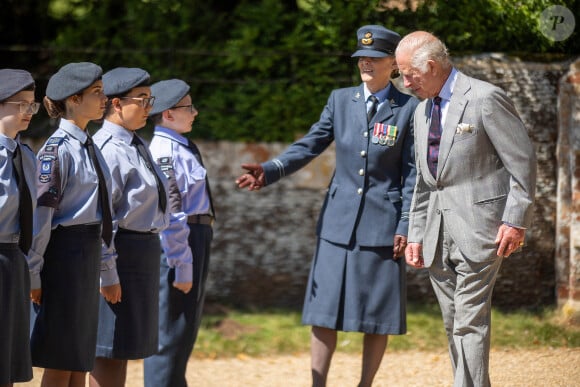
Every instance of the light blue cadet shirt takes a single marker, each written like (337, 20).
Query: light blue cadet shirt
(134, 189)
(68, 190)
(9, 195)
(188, 196)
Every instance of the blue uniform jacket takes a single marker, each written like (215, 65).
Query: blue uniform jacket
(369, 196)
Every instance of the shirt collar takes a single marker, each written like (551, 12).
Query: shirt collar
(171, 134)
(447, 90)
(73, 130)
(7, 142)
(118, 131)
(381, 94)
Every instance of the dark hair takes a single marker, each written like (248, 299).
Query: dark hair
(156, 118)
(55, 109)
(30, 87)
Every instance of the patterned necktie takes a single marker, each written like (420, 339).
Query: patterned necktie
(25, 206)
(434, 136)
(195, 150)
(149, 163)
(373, 109)
(107, 228)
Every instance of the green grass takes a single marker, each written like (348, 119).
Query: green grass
(271, 332)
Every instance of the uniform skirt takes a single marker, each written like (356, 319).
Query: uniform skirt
(15, 363)
(129, 329)
(358, 289)
(64, 333)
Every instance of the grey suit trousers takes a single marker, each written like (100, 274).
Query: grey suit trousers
(464, 289)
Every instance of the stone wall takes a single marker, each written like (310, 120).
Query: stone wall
(568, 210)
(264, 240)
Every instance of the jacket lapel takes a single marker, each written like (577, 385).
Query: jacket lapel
(386, 109)
(360, 106)
(421, 136)
(455, 110)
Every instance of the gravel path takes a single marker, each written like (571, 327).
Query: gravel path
(540, 367)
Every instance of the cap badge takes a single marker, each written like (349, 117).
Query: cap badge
(368, 39)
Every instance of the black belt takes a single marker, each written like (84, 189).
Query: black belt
(200, 219)
(134, 232)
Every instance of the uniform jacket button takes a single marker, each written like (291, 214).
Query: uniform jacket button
(359, 191)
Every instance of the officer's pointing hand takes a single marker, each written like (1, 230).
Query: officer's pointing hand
(253, 179)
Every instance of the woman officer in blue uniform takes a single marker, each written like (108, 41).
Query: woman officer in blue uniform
(73, 215)
(357, 281)
(17, 188)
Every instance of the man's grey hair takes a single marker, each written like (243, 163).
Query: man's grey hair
(424, 47)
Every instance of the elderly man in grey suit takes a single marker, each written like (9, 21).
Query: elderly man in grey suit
(357, 282)
(476, 175)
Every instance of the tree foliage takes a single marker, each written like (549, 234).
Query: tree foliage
(259, 69)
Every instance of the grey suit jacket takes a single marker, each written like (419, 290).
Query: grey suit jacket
(486, 172)
(369, 196)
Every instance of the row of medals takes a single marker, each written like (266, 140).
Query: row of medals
(384, 134)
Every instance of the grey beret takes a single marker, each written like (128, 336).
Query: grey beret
(13, 81)
(376, 41)
(167, 93)
(71, 79)
(122, 79)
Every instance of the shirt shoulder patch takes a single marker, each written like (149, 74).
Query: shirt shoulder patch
(48, 185)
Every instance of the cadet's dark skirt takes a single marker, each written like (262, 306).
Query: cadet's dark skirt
(15, 363)
(359, 289)
(65, 331)
(129, 329)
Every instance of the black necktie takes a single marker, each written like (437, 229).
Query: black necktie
(434, 136)
(149, 163)
(373, 108)
(197, 154)
(25, 206)
(107, 229)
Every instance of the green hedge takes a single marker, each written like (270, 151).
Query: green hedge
(260, 70)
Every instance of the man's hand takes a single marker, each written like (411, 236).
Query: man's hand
(253, 179)
(399, 244)
(509, 239)
(112, 293)
(36, 295)
(185, 287)
(414, 255)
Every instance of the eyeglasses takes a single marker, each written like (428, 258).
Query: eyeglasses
(144, 101)
(191, 107)
(25, 107)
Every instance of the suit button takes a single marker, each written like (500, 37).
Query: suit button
(438, 212)
(365, 134)
(361, 172)
(439, 187)
(359, 191)
(363, 153)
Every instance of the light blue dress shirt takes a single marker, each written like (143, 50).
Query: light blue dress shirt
(77, 194)
(169, 148)
(9, 195)
(134, 188)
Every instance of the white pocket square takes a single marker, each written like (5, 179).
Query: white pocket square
(464, 128)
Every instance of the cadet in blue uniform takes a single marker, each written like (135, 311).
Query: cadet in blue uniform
(357, 281)
(186, 242)
(17, 170)
(128, 317)
(72, 216)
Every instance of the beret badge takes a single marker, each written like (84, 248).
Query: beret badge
(368, 39)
